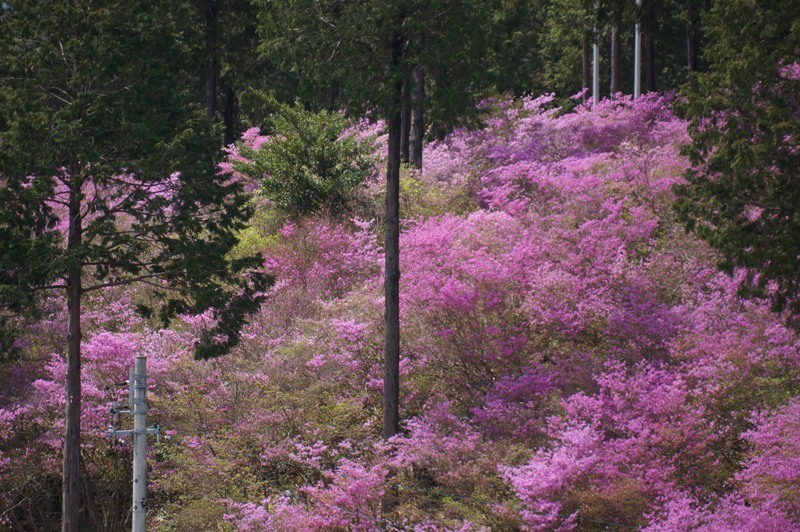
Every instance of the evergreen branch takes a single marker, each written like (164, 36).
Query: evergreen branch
(131, 280)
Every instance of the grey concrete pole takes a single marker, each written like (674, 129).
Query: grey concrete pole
(596, 64)
(637, 58)
(596, 74)
(140, 445)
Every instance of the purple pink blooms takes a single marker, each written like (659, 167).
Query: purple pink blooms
(570, 356)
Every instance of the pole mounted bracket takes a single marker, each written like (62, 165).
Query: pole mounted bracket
(154, 429)
(137, 406)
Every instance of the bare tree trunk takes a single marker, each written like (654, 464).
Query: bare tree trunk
(650, 62)
(71, 487)
(417, 117)
(615, 57)
(96, 514)
(333, 96)
(230, 113)
(212, 61)
(405, 121)
(691, 38)
(391, 383)
(586, 73)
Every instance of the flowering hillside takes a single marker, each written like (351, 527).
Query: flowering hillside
(572, 360)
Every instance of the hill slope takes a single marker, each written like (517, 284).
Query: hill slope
(571, 360)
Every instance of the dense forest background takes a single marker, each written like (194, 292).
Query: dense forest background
(393, 269)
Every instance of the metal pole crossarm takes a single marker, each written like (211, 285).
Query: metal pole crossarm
(137, 403)
(151, 430)
(139, 385)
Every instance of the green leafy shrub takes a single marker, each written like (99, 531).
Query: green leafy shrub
(312, 161)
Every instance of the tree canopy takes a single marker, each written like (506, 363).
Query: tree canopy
(108, 177)
(743, 194)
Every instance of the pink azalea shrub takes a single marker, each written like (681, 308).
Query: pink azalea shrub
(572, 359)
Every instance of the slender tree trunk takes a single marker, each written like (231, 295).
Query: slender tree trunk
(691, 38)
(405, 121)
(333, 96)
(391, 382)
(650, 62)
(615, 57)
(230, 113)
(71, 487)
(417, 116)
(391, 283)
(96, 514)
(586, 73)
(212, 61)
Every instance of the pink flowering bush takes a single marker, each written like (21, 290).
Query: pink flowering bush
(572, 359)
(349, 499)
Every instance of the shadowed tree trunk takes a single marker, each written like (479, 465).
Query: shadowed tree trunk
(391, 282)
(333, 96)
(615, 53)
(417, 116)
(405, 122)
(230, 113)
(650, 62)
(586, 72)
(212, 59)
(391, 384)
(691, 38)
(71, 487)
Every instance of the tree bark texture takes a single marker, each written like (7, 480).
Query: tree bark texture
(692, 54)
(230, 112)
(650, 62)
(615, 54)
(405, 121)
(417, 117)
(212, 59)
(71, 487)
(586, 72)
(391, 385)
(391, 382)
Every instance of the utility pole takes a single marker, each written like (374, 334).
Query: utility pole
(596, 62)
(140, 444)
(637, 54)
(137, 405)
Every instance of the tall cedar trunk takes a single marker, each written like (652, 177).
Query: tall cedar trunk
(229, 114)
(391, 384)
(212, 61)
(405, 122)
(391, 379)
(417, 116)
(691, 38)
(650, 62)
(614, 57)
(71, 487)
(587, 60)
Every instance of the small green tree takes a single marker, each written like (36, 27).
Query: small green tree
(310, 162)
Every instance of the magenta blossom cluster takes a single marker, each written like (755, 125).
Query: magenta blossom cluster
(571, 359)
